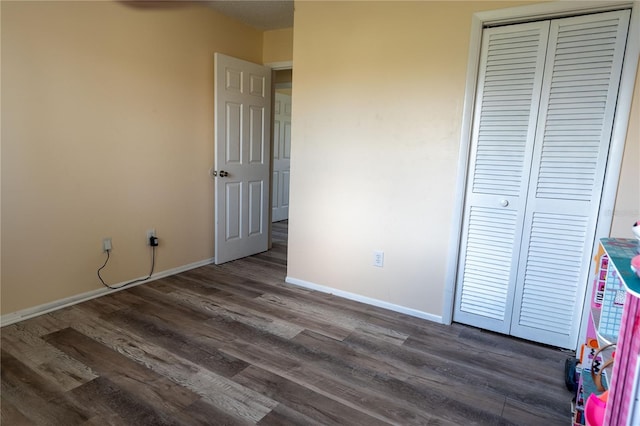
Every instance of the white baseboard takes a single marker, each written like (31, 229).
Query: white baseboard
(35, 311)
(366, 300)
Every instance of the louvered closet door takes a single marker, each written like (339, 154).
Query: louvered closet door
(546, 97)
(509, 85)
(581, 79)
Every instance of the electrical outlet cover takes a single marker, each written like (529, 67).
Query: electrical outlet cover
(150, 233)
(378, 258)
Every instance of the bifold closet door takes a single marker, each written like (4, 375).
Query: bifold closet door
(542, 125)
(579, 94)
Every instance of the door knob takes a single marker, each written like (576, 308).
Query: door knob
(222, 173)
(504, 203)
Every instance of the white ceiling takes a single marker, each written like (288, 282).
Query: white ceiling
(260, 14)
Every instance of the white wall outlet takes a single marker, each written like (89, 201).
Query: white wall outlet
(378, 258)
(106, 244)
(150, 233)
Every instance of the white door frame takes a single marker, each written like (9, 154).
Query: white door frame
(621, 120)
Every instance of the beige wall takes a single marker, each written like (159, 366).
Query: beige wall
(107, 131)
(278, 46)
(282, 76)
(379, 88)
(627, 209)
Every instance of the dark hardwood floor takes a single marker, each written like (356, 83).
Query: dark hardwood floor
(235, 345)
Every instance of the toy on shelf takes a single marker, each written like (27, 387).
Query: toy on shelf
(595, 408)
(635, 265)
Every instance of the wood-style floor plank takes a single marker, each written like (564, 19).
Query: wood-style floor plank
(303, 400)
(222, 393)
(324, 382)
(35, 397)
(235, 345)
(53, 364)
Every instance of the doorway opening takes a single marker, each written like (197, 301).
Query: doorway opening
(281, 149)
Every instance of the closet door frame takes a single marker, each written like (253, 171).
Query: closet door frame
(521, 14)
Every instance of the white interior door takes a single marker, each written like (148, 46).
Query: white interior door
(541, 136)
(242, 156)
(281, 157)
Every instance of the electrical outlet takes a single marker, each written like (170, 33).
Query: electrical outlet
(150, 233)
(106, 244)
(378, 258)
